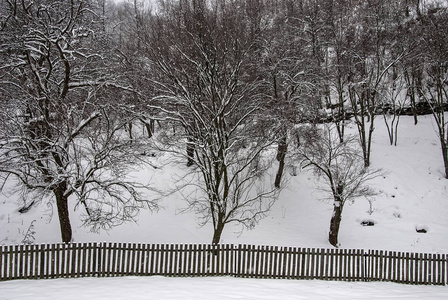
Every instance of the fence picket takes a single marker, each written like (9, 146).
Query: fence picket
(444, 268)
(150, 259)
(142, 270)
(2, 265)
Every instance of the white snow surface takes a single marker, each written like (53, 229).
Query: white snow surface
(216, 288)
(413, 195)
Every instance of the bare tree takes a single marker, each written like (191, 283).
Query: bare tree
(370, 60)
(435, 89)
(339, 38)
(201, 51)
(62, 116)
(392, 103)
(341, 168)
(291, 71)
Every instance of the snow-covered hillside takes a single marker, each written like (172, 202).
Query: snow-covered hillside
(413, 195)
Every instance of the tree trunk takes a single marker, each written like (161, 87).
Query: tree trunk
(281, 154)
(444, 147)
(62, 204)
(218, 232)
(410, 93)
(190, 152)
(149, 127)
(335, 222)
(130, 131)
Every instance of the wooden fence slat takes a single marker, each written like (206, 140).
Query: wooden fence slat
(31, 254)
(108, 263)
(113, 266)
(66, 261)
(171, 261)
(380, 267)
(42, 261)
(349, 264)
(406, 267)
(162, 263)
(225, 262)
(256, 261)
(129, 259)
(15, 262)
(161, 260)
(199, 260)
(419, 262)
(103, 259)
(211, 254)
(20, 262)
(82, 260)
(152, 262)
(76, 260)
(248, 265)
(194, 262)
(49, 262)
(402, 267)
(250, 261)
(70, 259)
(188, 260)
(442, 267)
(267, 263)
(121, 260)
(289, 262)
(177, 259)
(338, 265)
(219, 258)
(54, 261)
(7, 262)
(205, 259)
(126, 259)
(20, 273)
(94, 250)
(2, 265)
(434, 271)
(137, 256)
(375, 266)
(258, 267)
(142, 250)
(183, 263)
(154, 259)
(25, 253)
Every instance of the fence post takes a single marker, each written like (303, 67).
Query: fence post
(444, 269)
(366, 265)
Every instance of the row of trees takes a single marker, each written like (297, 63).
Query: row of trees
(225, 80)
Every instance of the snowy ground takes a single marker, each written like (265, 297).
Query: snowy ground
(210, 288)
(413, 194)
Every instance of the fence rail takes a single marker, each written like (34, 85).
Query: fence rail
(120, 259)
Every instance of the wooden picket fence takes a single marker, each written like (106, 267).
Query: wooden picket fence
(121, 259)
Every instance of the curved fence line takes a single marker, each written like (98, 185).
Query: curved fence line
(122, 259)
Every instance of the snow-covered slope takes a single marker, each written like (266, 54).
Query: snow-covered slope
(413, 195)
